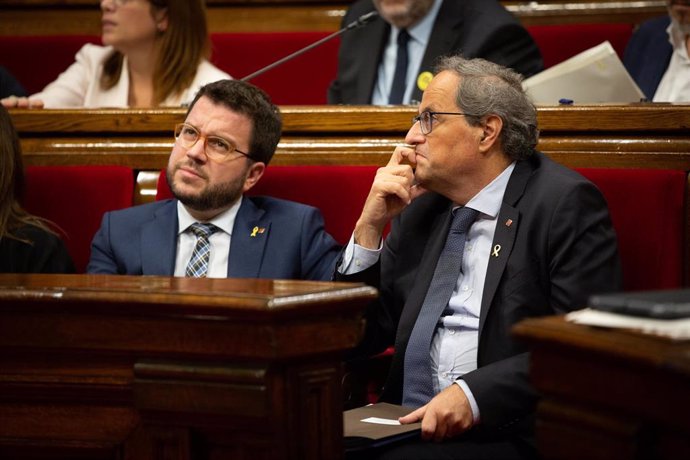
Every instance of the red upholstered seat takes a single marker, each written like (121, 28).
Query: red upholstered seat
(647, 208)
(75, 198)
(36, 61)
(338, 191)
(303, 80)
(562, 41)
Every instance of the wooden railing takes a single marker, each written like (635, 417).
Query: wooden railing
(49, 17)
(630, 136)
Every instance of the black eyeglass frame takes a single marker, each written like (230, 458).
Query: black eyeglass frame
(420, 118)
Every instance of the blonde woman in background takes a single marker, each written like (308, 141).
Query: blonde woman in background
(155, 54)
(27, 245)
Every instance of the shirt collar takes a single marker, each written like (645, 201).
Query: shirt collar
(421, 31)
(676, 37)
(489, 199)
(225, 220)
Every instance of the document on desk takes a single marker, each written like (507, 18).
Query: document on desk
(375, 425)
(676, 329)
(595, 75)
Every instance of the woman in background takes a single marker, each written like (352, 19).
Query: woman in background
(27, 244)
(155, 54)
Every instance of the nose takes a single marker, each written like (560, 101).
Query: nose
(107, 5)
(197, 152)
(414, 135)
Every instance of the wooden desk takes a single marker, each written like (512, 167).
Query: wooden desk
(627, 136)
(608, 394)
(117, 367)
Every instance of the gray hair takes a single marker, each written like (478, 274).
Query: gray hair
(486, 89)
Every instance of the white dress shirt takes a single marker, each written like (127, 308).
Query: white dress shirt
(220, 241)
(419, 37)
(675, 84)
(454, 345)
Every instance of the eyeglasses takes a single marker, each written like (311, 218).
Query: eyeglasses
(215, 147)
(426, 119)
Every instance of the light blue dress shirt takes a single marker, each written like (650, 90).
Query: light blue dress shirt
(419, 38)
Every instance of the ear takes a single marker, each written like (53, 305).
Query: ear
(161, 18)
(254, 173)
(491, 130)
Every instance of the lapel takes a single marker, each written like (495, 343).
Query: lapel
(374, 39)
(442, 38)
(504, 237)
(159, 241)
(247, 251)
(437, 237)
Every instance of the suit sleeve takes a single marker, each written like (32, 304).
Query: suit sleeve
(102, 260)
(582, 257)
(319, 250)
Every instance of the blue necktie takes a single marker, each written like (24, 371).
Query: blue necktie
(400, 75)
(418, 387)
(198, 264)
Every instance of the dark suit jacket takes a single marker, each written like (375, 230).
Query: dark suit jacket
(557, 248)
(475, 28)
(9, 86)
(42, 252)
(142, 240)
(648, 54)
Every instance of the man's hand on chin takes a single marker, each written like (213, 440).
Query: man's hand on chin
(447, 415)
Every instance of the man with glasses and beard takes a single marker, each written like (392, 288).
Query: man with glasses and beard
(485, 232)
(658, 55)
(211, 229)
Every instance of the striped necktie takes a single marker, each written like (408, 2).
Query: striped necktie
(198, 264)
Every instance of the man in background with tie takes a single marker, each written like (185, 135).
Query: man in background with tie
(486, 232)
(222, 149)
(389, 61)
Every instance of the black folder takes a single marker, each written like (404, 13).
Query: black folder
(362, 435)
(667, 304)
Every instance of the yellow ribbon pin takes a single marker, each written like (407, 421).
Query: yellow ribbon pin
(497, 248)
(424, 79)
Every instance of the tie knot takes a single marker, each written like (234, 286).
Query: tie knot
(203, 230)
(463, 219)
(403, 37)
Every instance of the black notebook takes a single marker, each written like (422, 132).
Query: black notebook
(669, 304)
(363, 435)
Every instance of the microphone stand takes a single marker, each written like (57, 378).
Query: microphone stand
(360, 21)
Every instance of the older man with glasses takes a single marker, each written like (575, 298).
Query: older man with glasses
(210, 229)
(486, 232)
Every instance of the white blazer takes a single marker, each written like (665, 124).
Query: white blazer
(79, 85)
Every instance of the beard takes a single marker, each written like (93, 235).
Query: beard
(211, 197)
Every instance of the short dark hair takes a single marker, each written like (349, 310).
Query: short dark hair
(487, 88)
(247, 99)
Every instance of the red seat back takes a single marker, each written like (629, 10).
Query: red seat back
(75, 198)
(563, 41)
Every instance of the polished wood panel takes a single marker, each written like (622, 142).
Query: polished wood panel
(608, 394)
(38, 17)
(640, 135)
(173, 368)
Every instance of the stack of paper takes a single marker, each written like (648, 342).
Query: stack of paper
(595, 75)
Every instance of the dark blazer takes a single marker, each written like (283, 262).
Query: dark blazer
(648, 54)
(557, 247)
(142, 240)
(475, 28)
(41, 252)
(9, 86)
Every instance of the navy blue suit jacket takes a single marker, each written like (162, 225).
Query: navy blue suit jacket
(142, 240)
(648, 54)
(474, 28)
